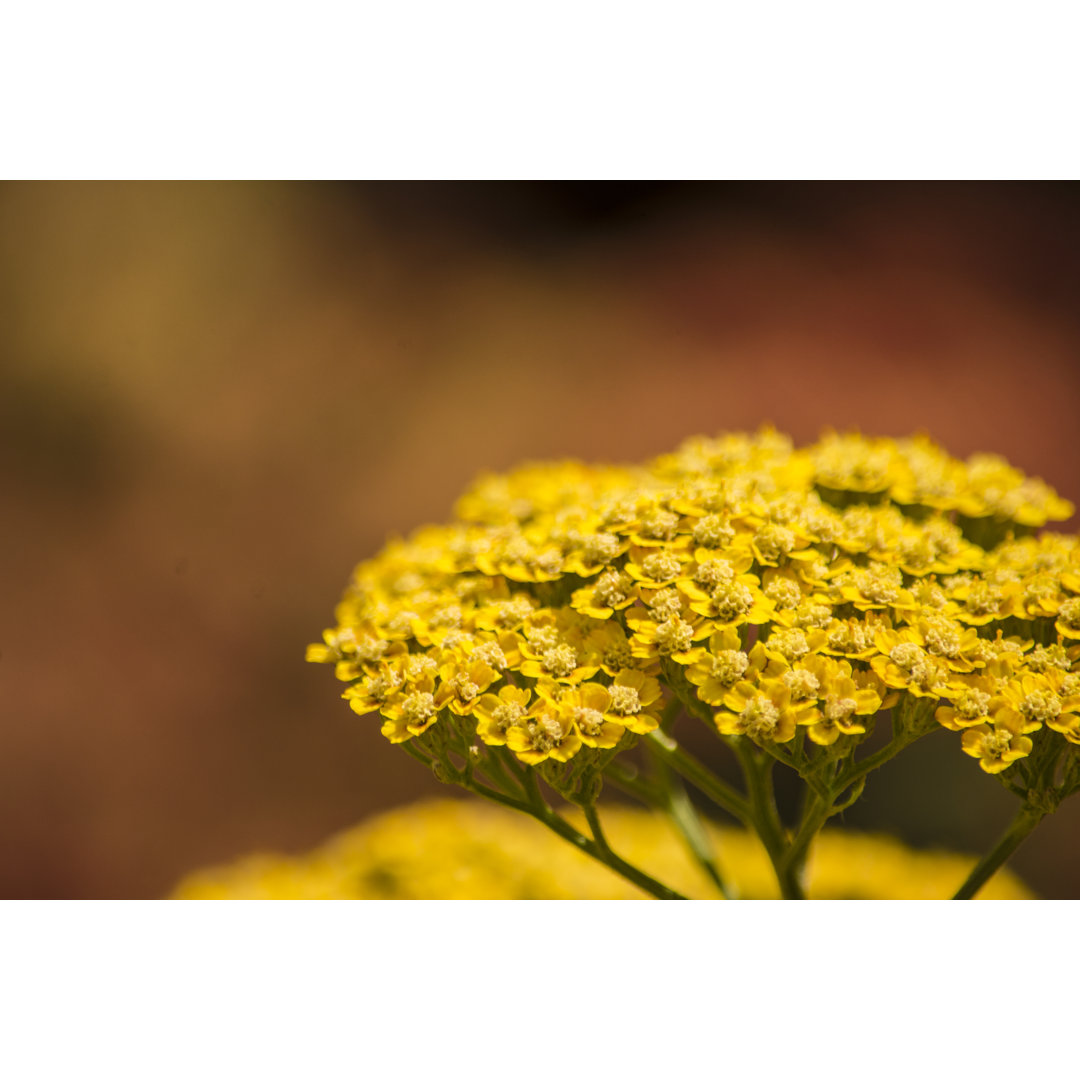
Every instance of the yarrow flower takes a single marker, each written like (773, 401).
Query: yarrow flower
(789, 598)
(459, 850)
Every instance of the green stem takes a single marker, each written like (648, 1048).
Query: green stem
(766, 821)
(593, 818)
(689, 768)
(815, 815)
(497, 796)
(496, 771)
(625, 780)
(857, 770)
(602, 853)
(1021, 826)
(670, 713)
(412, 751)
(537, 807)
(681, 811)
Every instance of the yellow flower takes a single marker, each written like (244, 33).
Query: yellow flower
(792, 644)
(375, 692)
(971, 700)
(1033, 700)
(981, 601)
(462, 685)
(787, 591)
(654, 569)
(842, 702)
(444, 623)
(633, 697)
(595, 552)
(653, 526)
(1068, 620)
(711, 532)
(996, 747)
(610, 646)
(1040, 596)
(878, 587)
(671, 637)
(730, 603)
(557, 657)
(957, 645)
(904, 665)
(354, 651)
(765, 712)
(458, 849)
(773, 544)
(855, 639)
(725, 664)
(497, 713)
(410, 713)
(884, 562)
(546, 732)
(520, 559)
(588, 708)
(612, 591)
(506, 613)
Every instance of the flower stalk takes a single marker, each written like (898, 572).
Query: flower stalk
(1019, 829)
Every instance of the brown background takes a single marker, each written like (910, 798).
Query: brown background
(216, 398)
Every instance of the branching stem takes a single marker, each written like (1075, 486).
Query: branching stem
(1020, 828)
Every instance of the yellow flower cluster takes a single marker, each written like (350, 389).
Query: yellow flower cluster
(773, 589)
(449, 850)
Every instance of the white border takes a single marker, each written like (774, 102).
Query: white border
(567, 89)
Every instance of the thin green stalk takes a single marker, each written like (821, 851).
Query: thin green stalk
(670, 713)
(497, 771)
(1021, 826)
(412, 751)
(593, 818)
(857, 770)
(766, 821)
(603, 853)
(497, 796)
(680, 810)
(816, 813)
(689, 768)
(682, 813)
(536, 806)
(618, 776)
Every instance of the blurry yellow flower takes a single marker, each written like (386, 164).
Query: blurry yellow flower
(612, 591)
(464, 850)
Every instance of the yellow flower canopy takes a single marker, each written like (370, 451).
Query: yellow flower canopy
(788, 588)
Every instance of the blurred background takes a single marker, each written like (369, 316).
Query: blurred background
(216, 398)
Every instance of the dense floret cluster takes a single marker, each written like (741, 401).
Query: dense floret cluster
(785, 595)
